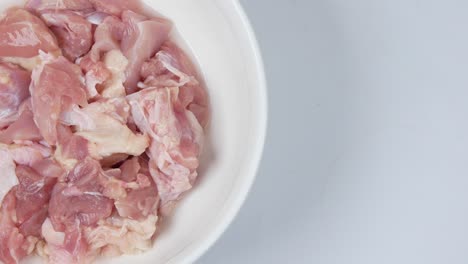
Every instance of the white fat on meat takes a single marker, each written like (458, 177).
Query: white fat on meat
(33, 62)
(116, 235)
(50, 235)
(116, 63)
(103, 124)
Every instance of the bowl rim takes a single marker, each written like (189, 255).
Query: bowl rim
(262, 109)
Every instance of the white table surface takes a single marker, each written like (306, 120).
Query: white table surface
(366, 160)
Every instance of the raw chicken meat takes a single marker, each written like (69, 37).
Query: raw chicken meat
(7, 166)
(23, 128)
(73, 32)
(23, 35)
(176, 140)
(140, 203)
(107, 37)
(71, 148)
(32, 198)
(171, 67)
(14, 245)
(23, 212)
(57, 85)
(103, 124)
(14, 89)
(28, 152)
(75, 5)
(142, 39)
(116, 235)
(101, 129)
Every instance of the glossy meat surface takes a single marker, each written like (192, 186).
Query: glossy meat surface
(102, 122)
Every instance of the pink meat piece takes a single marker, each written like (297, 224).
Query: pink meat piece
(56, 86)
(140, 203)
(14, 89)
(87, 196)
(176, 140)
(171, 67)
(80, 200)
(73, 32)
(66, 247)
(14, 246)
(22, 129)
(76, 246)
(32, 226)
(7, 167)
(107, 37)
(71, 146)
(49, 168)
(67, 208)
(89, 176)
(28, 152)
(141, 40)
(23, 35)
(76, 5)
(129, 170)
(32, 198)
(115, 7)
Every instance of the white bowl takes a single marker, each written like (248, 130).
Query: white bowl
(218, 34)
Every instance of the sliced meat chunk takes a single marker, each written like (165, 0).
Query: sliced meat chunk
(14, 246)
(7, 167)
(66, 247)
(129, 169)
(14, 89)
(80, 199)
(56, 86)
(67, 207)
(32, 198)
(73, 32)
(171, 67)
(22, 129)
(28, 153)
(49, 168)
(23, 35)
(176, 140)
(141, 40)
(140, 203)
(86, 197)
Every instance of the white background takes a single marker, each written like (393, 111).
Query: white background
(366, 160)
